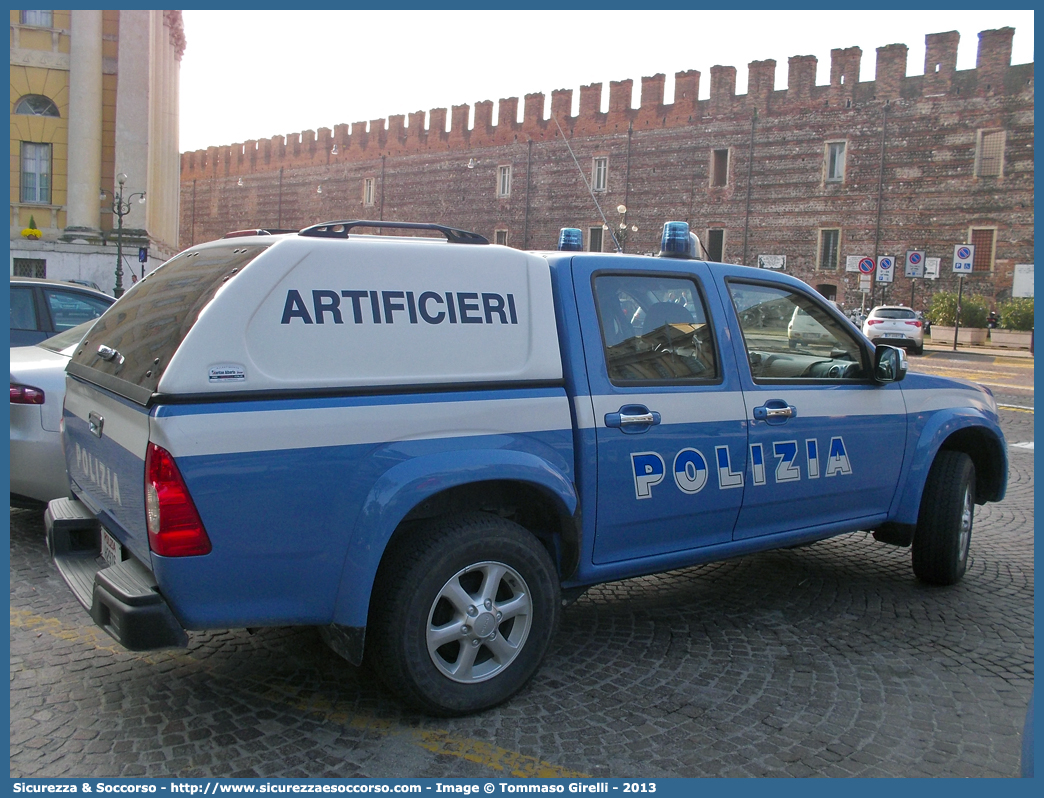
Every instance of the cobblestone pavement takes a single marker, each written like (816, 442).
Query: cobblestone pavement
(826, 660)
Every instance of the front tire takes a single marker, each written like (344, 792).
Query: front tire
(462, 614)
(944, 525)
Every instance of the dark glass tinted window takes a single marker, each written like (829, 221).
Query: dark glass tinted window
(152, 318)
(654, 329)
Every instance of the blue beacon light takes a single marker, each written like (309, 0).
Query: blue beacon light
(676, 242)
(571, 239)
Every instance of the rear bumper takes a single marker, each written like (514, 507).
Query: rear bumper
(122, 599)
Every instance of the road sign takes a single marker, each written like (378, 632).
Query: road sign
(143, 254)
(864, 283)
(884, 268)
(963, 257)
(932, 266)
(867, 265)
(914, 263)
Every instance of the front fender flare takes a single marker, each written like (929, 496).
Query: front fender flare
(941, 431)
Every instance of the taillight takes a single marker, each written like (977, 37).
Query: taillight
(26, 395)
(914, 323)
(175, 528)
(872, 322)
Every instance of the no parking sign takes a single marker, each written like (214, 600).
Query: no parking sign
(914, 263)
(963, 258)
(884, 268)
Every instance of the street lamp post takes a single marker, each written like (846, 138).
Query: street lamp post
(121, 207)
(620, 236)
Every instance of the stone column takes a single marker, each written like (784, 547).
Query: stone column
(85, 123)
(134, 108)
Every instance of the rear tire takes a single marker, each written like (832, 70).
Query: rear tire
(944, 525)
(462, 614)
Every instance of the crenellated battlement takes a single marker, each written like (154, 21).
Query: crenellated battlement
(407, 133)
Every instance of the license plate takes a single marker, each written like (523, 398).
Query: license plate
(894, 335)
(111, 549)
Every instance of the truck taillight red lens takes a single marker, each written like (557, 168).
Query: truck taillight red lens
(26, 395)
(175, 528)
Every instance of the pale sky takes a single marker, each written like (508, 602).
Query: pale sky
(256, 74)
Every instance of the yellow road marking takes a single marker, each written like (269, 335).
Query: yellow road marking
(438, 741)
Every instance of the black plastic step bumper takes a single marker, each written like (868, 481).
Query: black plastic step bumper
(122, 599)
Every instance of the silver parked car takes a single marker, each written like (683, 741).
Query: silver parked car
(37, 394)
(895, 325)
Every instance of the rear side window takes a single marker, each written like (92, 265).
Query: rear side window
(23, 310)
(129, 348)
(654, 329)
(70, 308)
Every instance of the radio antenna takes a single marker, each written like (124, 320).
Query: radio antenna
(605, 221)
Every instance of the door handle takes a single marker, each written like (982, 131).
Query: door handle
(775, 411)
(632, 418)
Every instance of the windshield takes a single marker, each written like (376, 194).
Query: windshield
(67, 339)
(894, 313)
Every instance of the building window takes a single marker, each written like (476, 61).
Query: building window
(600, 174)
(594, 239)
(36, 173)
(716, 245)
(500, 237)
(720, 168)
(835, 161)
(990, 158)
(368, 191)
(36, 105)
(30, 267)
(983, 238)
(41, 19)
(829, 246)
(503, 181)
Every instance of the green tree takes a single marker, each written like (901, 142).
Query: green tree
(943, 310)
(1017, 314)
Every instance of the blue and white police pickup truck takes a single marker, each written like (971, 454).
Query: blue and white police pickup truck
(425, 445)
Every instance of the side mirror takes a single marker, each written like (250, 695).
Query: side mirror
(889, 364)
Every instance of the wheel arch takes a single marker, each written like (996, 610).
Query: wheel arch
(970, 433)
(518, 485)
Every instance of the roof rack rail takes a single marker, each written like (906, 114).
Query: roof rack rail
(257, 232)
(340, 230)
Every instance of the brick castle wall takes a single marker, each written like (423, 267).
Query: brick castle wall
(775, 199)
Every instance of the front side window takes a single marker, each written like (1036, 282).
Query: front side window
(368, 191)
(36, 173)
(990, 160)
(503, 181)
(600, 174)
(36, 105)
(42, 19)
(791, 336)
(829, 247)
(835, 161)
(594, 239)
(654, 329)
(983, 238)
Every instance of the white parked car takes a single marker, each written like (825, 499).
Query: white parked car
(37, 393)
(895, 325)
